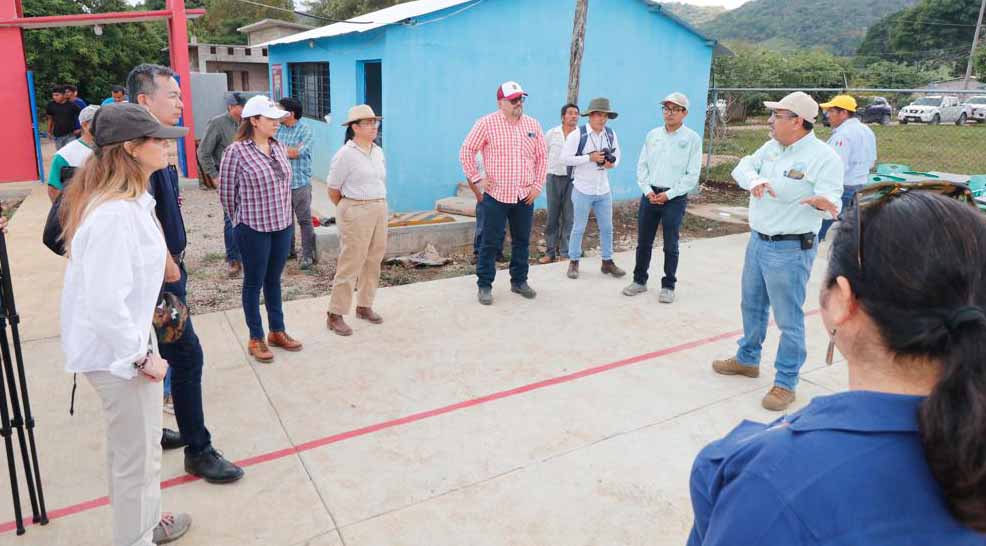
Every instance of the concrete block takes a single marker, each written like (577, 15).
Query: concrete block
(447, 238)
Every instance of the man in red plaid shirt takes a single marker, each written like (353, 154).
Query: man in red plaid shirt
(515, 160)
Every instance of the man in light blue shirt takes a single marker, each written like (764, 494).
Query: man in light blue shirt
(856, 145)
(795, 181)
(297, 138)
(667, 172)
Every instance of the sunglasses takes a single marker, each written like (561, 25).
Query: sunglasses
(518, 100)
(672, 110)
(881, 193)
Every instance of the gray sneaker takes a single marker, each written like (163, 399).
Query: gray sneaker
(667, 296)
(171, 527)
(634, 289)
(524, 289)
(486, 295)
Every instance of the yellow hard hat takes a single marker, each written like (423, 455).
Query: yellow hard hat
(841, 101)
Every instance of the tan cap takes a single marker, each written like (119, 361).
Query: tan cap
(799, 103)
(676, 98)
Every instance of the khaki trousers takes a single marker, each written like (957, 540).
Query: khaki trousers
(132, 408)
(363, 234)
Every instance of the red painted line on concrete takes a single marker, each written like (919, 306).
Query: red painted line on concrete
(413, 418)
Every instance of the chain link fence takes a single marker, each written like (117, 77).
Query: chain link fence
(926, 130)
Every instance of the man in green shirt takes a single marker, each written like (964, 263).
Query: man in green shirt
(72, 155)
(667, 172)
(795, 182)
(218, 136)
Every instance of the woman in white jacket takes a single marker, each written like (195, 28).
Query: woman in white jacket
(116, 267)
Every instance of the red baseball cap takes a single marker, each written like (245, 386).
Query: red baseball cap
(510, 91)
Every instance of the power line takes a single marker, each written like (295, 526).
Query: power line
(304, 14)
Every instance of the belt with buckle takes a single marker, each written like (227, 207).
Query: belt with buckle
(784, 237)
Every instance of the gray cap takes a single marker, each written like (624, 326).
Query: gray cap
(88, 113)
(233, 99)
(123, 121)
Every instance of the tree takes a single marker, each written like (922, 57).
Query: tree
(223, 17)
(578, 48)
(347, 9)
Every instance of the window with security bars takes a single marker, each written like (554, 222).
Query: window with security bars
(310, 85)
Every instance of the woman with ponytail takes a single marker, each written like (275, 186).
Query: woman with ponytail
(899, 459)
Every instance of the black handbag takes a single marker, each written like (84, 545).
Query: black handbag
(51, 236)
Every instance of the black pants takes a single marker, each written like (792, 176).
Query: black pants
(649, 217)
(186, 359)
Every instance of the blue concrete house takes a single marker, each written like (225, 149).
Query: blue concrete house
(432, 67)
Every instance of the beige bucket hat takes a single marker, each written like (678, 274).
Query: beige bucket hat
(359, 113)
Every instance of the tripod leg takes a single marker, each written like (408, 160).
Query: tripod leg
(10, 310)
(11, 466)
(16, 421)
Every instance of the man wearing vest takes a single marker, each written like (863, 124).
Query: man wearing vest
(667, 171)
(856, 145)
(589, 153)
(795, 182)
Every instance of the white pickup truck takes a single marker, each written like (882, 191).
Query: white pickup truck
(934, 110)
(976, 108)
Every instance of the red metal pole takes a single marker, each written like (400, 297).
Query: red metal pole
(178, 46)
(17, 132)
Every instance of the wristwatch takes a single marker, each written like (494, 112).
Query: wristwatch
(139, 365)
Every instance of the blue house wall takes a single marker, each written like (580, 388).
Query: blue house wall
(441, 74)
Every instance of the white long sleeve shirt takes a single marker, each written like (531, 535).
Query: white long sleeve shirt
(588, 177)
(555, 138)
(856, 145)
(112, 284)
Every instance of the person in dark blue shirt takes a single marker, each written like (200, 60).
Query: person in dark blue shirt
(155, 88)
(899, 459)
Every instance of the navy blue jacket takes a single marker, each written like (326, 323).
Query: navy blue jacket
(164, 188)
(846, 470)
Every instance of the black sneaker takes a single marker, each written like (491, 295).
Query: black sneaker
(524, 289)
(211, 466)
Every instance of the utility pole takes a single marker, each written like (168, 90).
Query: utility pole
(578, 46)
(975, 41)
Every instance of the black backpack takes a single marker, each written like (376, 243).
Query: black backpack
(53, 225)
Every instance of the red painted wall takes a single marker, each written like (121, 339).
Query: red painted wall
(18, 162)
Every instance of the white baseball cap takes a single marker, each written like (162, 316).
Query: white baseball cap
(510, 91)
(799, 103)
(260, 105)
(677, 98)
(88, 113)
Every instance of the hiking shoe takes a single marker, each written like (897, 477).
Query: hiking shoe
(259, 351)
(778, 399)
(486, 295)
(667, 296)
(211, 466)
(731, 366)
(523, 289)
(233, 269)
(284, 341)
(634, 289)
(609, 267)
(546, 259)
(338, 325)
(169, 404)
(368, 314)
(171, 527)
(573, 269)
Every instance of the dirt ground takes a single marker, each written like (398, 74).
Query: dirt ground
(210, 289)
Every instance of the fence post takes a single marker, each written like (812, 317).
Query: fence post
(34, 122)
(712, 131)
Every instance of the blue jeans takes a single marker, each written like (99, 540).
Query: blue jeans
(232, 250)
(496, 215)
(477, 241)
(167, 383)
(602, 206)
(61, 141)
(775, 275)
(847, 194)
(649, 218)
(264, 255)
(185, 361)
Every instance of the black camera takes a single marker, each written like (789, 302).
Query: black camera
(608, 156)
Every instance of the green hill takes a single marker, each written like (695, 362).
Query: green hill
(834, 25)
(694, 15)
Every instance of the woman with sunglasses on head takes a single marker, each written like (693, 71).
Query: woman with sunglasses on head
(358, 188)
(116, 267)
(901, 457)
(255, 190)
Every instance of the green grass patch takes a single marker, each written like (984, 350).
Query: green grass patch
(945, 148)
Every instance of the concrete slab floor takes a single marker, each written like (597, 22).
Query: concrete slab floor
(570, 419)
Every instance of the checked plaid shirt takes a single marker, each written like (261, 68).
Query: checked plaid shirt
(254, 188)
(514, 156)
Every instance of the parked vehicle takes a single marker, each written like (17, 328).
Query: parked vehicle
(934, 110)
(877, 111)
(976, 108)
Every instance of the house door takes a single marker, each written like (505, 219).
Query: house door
(372, 87)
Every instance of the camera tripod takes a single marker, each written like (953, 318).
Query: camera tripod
(11, 417)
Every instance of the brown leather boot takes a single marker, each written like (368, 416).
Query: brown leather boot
(233, 269)
(338, 325)
(259, 351)
(610, 267)
(367, 313)
(573, 269)
(284, 341)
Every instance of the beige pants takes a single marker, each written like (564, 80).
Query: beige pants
(363, 233)
(132, 408)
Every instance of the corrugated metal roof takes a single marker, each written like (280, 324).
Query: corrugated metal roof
(377, 19)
